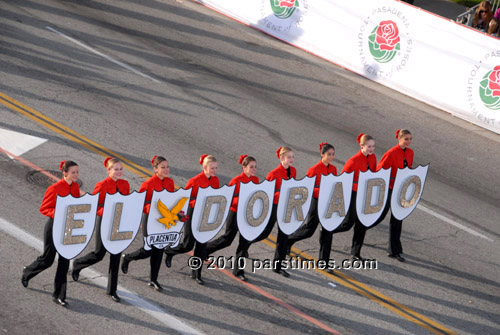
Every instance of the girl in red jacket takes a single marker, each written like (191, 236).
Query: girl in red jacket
(285, 170)
(323, 168)
(249, 167)
(66, 186)
(205, 179)
(112, 184)
(363, 161)
(399, 156)
(158, 182)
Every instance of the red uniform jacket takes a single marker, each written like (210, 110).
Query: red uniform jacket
(61, 188)
(197, 181)
(318, 170)
(110, 186)
(279, 174)
(155, 184)
(394, 158)
(359, 162)
(242, 178)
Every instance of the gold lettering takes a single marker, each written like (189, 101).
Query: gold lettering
(404, 189)
(116, 234)
(71, 224)
(257, 221)
(221, 202)
(372, 183)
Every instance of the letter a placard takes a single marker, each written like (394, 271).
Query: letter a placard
(334, 199)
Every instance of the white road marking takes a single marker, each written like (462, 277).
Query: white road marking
(97, 52)
(332, 285)
(102, 281)
(18, 143)
(453, 223)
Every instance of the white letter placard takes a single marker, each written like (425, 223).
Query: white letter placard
(334, 199)
(165, 218)
(210, 212)
(407, 190)
(372, 195)
(255, 203)
(294, 202)
(74, 222)
(121, 219)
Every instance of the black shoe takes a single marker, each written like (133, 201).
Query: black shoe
(155, 286)
(200, 281)
(284, 273)
(24, 281)
(75, 275)
(245, 254)
(125, 262)
(60, 302)
(357, 258)
(168, 260)
(400, 258)
(241, 276)
(115, 297)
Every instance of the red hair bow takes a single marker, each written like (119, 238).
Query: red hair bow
(359, 137)
(153, 160)
(202, 158)
(397, 133)
(321, 145)
(278, 152)
(242, 157)
(61, 165)
(106, 161)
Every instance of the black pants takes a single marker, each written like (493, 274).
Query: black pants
(395, 228)
(359, 229)
(155, 254)
(96, 256)
(228, 237)
(187, 244)
(46, 259)
(307, 230)
(281, 243)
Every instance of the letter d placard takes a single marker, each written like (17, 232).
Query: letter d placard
(74, 221)
(210, 212)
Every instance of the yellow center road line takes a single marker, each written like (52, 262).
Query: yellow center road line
(71, 134)
(339, 277)
(373, 294)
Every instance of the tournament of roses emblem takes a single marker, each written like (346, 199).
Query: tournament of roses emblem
(489, 89)
(384, 41)
(283, 9)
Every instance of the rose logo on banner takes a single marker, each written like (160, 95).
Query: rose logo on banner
(482, 90)
(384, 41)
(284, 9)
(282, 16)
(489, 89)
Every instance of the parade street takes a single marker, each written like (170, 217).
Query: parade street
(83, 80)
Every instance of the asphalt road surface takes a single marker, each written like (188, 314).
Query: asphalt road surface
(139, 78)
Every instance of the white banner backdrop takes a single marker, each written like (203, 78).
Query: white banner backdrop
(427, 57)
